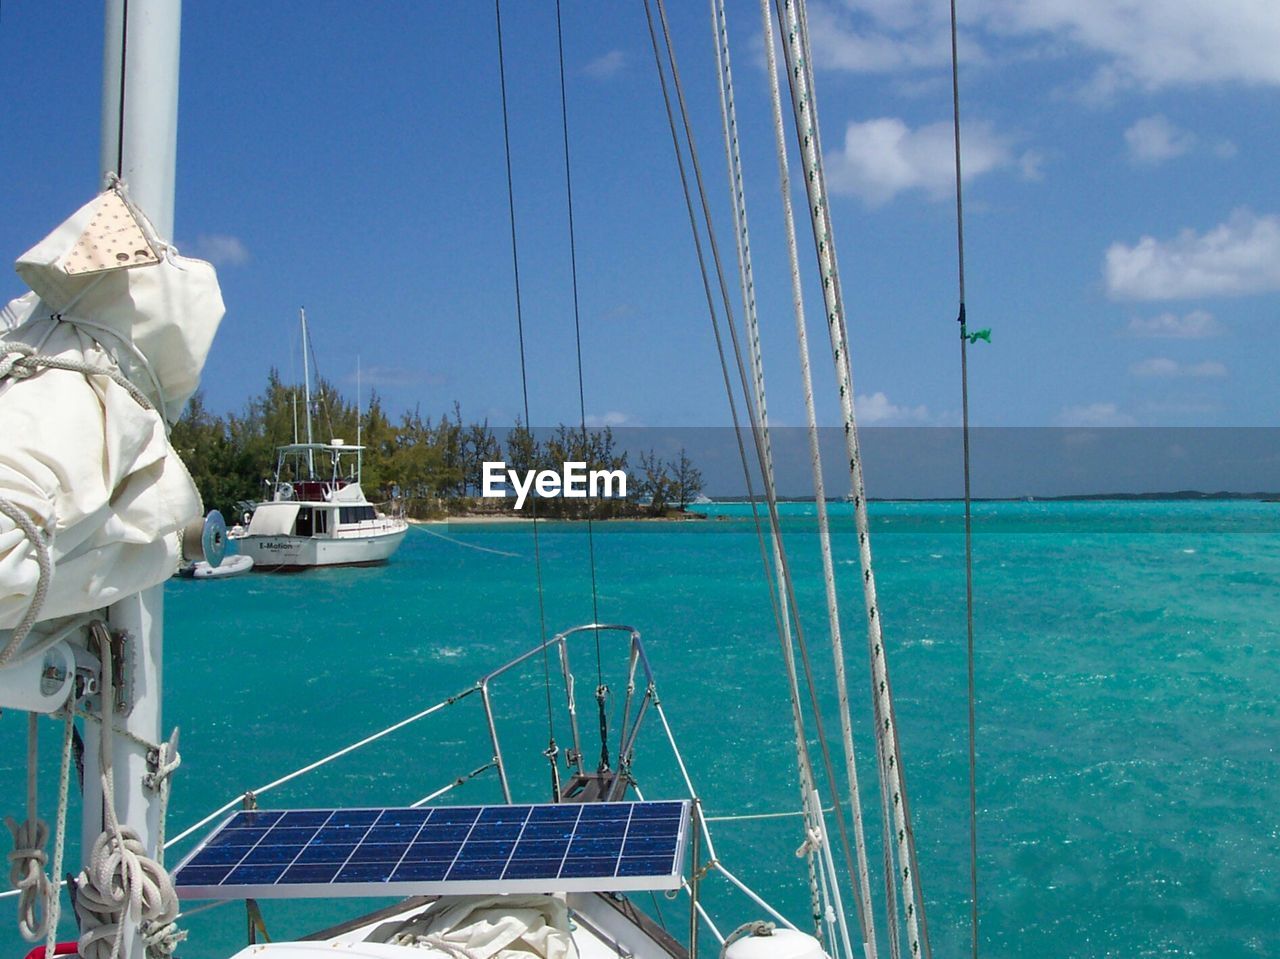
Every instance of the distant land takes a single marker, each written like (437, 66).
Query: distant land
(1184, 494)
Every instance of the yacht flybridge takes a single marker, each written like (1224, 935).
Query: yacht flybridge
(318, 518)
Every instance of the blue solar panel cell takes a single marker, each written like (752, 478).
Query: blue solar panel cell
(599, 846)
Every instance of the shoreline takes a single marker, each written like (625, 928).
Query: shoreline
(508, 520)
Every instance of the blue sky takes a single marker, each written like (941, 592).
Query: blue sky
(1123, 234)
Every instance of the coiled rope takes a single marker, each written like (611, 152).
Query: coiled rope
(28, 858)
(39, 897)
(120, 880)
(44, 559)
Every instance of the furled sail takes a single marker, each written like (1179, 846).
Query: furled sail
(95, 364)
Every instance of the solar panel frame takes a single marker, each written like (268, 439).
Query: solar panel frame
(393, 851)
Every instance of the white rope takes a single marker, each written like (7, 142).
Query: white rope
(19, 360)
(458, 542)
(748, 816)
(800, 77)
(728, 114)
(863, 888)
(44, 560)
(120, 880)
(28, 858)
(54, 909)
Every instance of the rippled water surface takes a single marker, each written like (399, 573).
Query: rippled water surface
(1128, 677)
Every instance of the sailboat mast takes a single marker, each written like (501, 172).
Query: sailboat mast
(139, 144)
(359, 433)
(306, 385)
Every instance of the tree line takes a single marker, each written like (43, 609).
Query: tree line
(427, 467)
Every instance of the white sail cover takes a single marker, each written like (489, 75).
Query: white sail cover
(80, 455)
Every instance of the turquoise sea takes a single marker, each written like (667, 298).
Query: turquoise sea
(1128, 717)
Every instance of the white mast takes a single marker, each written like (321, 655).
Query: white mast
(359, 401)
(306, 382)
(139, 144)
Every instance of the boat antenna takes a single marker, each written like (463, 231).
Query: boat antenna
(306, 384)
(551, 751)
(968, 503)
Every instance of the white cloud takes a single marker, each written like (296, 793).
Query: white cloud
(1094, 414)
(606, 65)
(876, 409)
(394, 376)
(1163, 367)
(611, 418)
(1234, 258)
(1151, 44)
(1031, 164)
(1154, 139)
(1156, 43)
(884, 157)
(900, 36)
(1209, 368)
(1156, 366)
(1196, 325)
(220, 250)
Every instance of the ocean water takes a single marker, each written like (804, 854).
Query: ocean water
(1128, 681)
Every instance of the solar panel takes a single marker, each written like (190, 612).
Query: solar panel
(566, 847)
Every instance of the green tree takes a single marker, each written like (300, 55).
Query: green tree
(654, 483)
(686, 480)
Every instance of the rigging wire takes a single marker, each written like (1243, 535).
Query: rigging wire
(746, 278)
(863, 884)
(601, 689)
(124, 63)
(793, 24)
(786, 589)
(320, 399)
(524, 391)
(968, 500)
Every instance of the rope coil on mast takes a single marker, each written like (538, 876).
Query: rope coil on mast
(120, 881)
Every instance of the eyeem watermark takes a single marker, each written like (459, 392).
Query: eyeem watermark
(574, 481)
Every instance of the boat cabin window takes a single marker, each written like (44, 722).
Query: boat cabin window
(356, 514)
(303, 527)
(321, 523)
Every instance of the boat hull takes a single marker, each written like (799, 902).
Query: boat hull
(285, 553)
